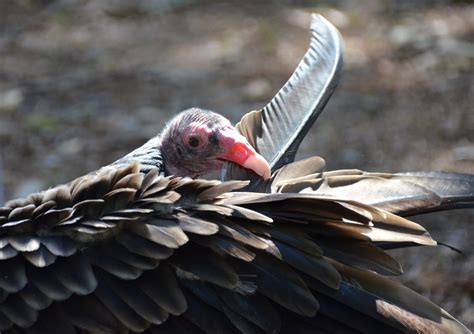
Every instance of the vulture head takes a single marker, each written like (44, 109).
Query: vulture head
(198, 141)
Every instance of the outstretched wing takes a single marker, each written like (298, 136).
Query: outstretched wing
(277, 130)
(404, 194)
(124, 251)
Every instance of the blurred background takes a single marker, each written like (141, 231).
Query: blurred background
(83, 82)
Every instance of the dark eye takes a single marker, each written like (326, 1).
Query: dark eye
(180, 150)
(193, 141)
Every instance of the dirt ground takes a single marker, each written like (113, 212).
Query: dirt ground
(83, 82)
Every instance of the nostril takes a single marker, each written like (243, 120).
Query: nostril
(213, 138)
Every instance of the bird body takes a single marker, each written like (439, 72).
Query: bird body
(145, 245)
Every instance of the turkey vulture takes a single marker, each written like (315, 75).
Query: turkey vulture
(145, 245)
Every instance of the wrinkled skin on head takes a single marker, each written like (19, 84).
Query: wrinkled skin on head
(198, 141)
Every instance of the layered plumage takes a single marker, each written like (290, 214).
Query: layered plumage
(130, 249)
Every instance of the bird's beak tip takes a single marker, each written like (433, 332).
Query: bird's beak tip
(259, 165)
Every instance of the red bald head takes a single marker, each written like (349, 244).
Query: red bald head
(198, 141)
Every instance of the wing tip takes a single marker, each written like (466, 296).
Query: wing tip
(322, 26)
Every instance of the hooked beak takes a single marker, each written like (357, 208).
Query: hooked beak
(237, 149)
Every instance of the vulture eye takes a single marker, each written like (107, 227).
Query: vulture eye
(193, 141)
(180, 150)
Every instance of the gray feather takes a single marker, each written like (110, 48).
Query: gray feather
(277, 130)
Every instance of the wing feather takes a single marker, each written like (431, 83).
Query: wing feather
(205, 260)
(277, 130)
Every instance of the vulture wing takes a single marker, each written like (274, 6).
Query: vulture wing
(404, 194)
(123, 250)
(277, 130)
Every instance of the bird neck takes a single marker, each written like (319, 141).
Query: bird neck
(148, 155)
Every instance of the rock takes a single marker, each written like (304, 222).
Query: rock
(257, 89)
(11, 99)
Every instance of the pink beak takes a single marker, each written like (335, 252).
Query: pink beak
(237, 149)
